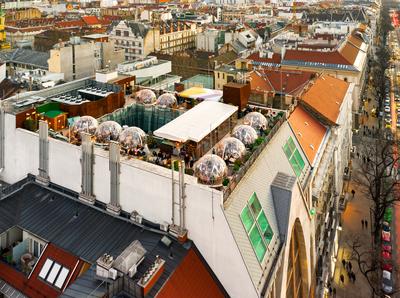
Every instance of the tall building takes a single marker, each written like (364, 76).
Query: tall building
(81, 57)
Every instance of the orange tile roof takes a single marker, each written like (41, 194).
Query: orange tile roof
(191, 279)
(308, 131)
(326, 96)
(91, 20)
(349, 52)
(355, 40)
(259, 83)
(316, 56)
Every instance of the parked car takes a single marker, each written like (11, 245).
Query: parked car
(387, 248)
(386, 255)
(386, 236)
(387, 267)
(386, 275)
(387, 286)
(387, 109)
(386, 226)
(388, 214)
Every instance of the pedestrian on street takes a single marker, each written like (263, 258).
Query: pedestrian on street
(342, 278)
(353, 192)
(334, 292)
(344, 262)
(358, 155)
(350, 266)
(353, 276)
(366, 224)
(362, 223)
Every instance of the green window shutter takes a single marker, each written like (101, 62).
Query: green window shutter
(287, 151)
(299, 159)
(247, 218)
(258, 244)
(255, 204)
(262, 222)
(291, 144)
(268, 234)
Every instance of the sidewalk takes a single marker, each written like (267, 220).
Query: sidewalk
(357, 209)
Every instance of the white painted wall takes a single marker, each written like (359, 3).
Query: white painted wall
(2, 72)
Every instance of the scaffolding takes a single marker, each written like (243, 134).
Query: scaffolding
(148, 118)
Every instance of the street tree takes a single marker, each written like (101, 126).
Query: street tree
(378, 177)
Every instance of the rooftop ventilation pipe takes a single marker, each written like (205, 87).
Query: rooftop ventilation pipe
(114, 165)
(87, 161)
(43, 176)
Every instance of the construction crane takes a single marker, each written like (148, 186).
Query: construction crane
(3, 43)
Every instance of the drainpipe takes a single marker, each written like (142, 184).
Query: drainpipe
(2, 137)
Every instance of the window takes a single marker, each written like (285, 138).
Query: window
(37, 248)
(257, 226)
(54, 273)
(294, 157)
(126, 33)
(118, 32)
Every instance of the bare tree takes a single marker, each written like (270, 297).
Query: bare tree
(369, 266)
(377, 174)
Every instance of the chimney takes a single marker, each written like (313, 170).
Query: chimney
(114, 166)
(150, 277)
(87, 161)
(43, 176)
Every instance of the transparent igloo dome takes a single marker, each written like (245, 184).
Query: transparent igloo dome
(146, 96)
(210, 169)
(166, 100)
(86, 124)
(230, 149)
(131, 137)
(256, 120)
(108, 131)
(245, 133)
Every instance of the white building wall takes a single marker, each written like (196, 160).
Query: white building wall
(2, 72)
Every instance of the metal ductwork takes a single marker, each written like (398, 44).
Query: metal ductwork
(87, 161)
(2, 136)
(114, 165)
(43, 176)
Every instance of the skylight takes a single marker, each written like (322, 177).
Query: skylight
(54, 273)
(257, 226)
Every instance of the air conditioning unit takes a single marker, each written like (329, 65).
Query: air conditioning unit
(136, 217)
(164, 226)
(112, 273)
(132, 271)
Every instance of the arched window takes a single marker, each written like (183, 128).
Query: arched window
(294, 275)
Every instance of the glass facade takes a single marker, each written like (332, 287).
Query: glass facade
(294, 157)
(257, 226)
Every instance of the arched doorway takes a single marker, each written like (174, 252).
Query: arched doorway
(296, 281)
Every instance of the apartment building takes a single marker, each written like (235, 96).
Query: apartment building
(137, 39)
(80, 58)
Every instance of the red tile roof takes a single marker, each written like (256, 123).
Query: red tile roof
(316, 56)
(191, 280)
(70, 24)
(34, 286)
(308, 131)
(91, 20)
(276, 58)
(286, 81)
(326, 96)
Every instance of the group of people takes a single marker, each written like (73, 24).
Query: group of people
(349, 269)
(161, 158)
(137, 151)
